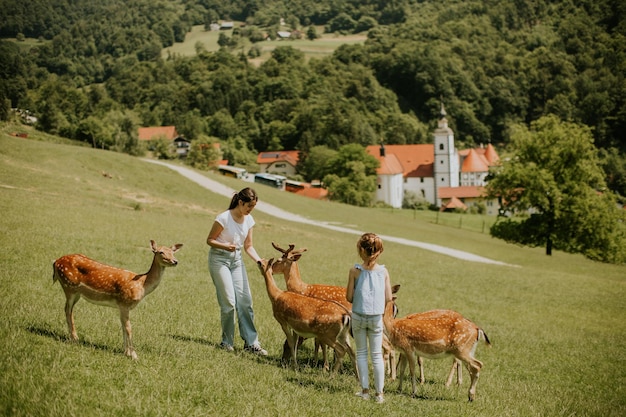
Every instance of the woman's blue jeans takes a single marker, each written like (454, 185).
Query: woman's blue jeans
(233, 295)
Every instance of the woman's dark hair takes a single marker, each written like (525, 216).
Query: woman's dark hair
(246, 195)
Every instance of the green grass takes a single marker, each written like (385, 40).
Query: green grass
(556, 323)
(325, 45)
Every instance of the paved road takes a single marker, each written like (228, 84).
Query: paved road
(219, 188)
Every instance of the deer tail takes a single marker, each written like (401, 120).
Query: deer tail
(55, 272)
(484, 336)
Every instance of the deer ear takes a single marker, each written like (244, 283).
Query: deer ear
(153, 245)
(176, 247)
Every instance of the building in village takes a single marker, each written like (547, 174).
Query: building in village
(278, 162)
(437, 173)
(168, 133)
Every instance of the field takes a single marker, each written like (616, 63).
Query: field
(556, 323)
(318, 48)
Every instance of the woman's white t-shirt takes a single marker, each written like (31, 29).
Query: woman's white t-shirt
(234, 232)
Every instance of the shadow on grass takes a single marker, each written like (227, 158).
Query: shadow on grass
(392, 387)
(54, 335)
(260, 359)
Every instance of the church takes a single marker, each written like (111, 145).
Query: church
(437, 173)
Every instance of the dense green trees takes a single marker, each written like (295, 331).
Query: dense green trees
(351, 176)
(554, 175)
(493, 63)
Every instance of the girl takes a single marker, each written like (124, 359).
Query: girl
(368, 290)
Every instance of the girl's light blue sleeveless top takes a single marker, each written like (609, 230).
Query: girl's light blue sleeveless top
(369, 291)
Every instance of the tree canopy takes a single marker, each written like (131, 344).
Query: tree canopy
(493, 63)
(553, 174)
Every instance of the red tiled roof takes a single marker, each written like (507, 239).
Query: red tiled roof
(389, 165)
(491, 155)
(454, 203)
(416, 160)
(466, 191)
(270, 157)
(318, 193)
(149, 133)
(474, 162)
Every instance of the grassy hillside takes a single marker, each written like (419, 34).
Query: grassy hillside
(556, 323)
(325, 45)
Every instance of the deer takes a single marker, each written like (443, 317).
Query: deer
(435, 334)
(101, 284)
(287, 264)
(308, 317)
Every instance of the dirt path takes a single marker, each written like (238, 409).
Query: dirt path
(267, 208)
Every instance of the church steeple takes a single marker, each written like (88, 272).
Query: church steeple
(446, 164)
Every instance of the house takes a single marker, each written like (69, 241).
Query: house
(437, 172)
(466, 197)
(278, 162)
(413, 172)
(168, 133)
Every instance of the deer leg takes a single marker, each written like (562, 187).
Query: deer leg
(390, 362)
(340, 352)
(127, 331)
(292, 341)
(389, 358)
(401, 368)
(456, 366)
(473, 366)
(420, 362)
(411, 358)
(353, 359)
(70, 301)
(324, 348)
(286, 352)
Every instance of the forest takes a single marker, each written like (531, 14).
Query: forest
(93, 71)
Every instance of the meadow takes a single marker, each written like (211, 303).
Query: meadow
(325, 45)
(556, 323)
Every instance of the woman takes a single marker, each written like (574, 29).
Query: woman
(232, 232)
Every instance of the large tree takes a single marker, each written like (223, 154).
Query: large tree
(353, 176)
(554, 182)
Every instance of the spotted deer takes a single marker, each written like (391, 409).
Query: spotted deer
(287, 265)
(435, 334)
(109, 286)
(299, 315)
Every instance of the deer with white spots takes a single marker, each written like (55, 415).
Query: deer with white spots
(287, 265)
(308, 317)
(435, 334)
(106, 285)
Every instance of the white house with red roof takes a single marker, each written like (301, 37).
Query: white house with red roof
(437, 172)
(278, 162)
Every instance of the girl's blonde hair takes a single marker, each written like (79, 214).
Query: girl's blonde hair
(372, 245)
